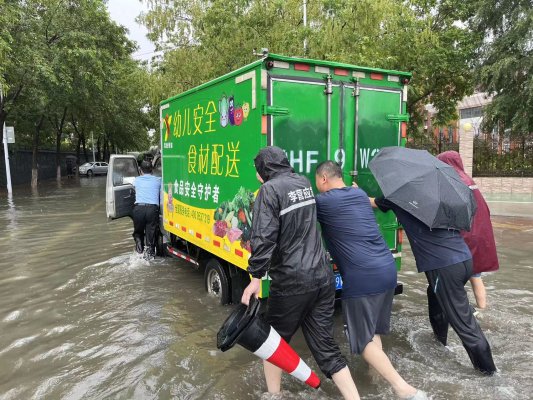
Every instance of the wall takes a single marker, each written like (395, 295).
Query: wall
(510, 186)
(20, 164)
(513, 186)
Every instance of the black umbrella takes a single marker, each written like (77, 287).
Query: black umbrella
(425, 187)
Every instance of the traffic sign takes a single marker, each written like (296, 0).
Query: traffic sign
(10, 133)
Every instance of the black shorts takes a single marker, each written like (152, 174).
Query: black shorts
(365, 317)
(313, 312)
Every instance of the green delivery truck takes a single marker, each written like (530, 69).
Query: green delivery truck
(314, 110)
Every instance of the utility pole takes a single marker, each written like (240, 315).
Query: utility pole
(6, 154)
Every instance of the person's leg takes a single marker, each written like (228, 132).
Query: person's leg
(344, 381)
(367, 318)
(317, 328)
(138, 228)
(453, 299)
(152, 221)
(272, 377)
(437, 318)
(284, 314)
(374, 355)
(377, 340)
(479, 291)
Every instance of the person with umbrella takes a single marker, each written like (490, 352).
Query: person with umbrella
(367, 268)
(480, 239)
(433, 204)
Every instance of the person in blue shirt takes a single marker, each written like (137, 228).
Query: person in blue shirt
(444, 257)
(146, 210)
(367, 268)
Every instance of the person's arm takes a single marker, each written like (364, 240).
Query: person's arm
(265, 227)
(160, 180)
(372, 199)
(381, 203)
(319, 209)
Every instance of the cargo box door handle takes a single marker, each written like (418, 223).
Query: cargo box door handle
(398, 117)
(273, 110)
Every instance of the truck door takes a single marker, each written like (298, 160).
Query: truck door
(298, 115)
(120, 193)
(313, 122)
(378, 112)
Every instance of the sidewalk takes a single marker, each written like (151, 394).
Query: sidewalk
(512, 205)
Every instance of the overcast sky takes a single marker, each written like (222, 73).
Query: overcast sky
(124, 12)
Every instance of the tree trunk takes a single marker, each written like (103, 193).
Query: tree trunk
(78, 144)
(35, 153)
(78, 152)
(83, 143)
(98, 147)
(58, 157)
(3, 116)
(59, 133)
(106, 151)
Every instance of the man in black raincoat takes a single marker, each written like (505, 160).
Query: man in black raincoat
(287, 245)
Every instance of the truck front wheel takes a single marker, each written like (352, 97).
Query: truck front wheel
(217, 281)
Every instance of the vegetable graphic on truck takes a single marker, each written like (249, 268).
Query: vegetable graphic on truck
(315, 110)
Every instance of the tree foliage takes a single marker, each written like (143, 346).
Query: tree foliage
(506, 63)
(67, 68)
(429, 38)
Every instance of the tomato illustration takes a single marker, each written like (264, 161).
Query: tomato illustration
(238, 116)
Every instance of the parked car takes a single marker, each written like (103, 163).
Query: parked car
(93, 168)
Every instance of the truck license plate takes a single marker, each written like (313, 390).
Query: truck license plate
(338, 282)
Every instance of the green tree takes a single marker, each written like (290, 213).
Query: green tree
(5, 37)
(431, 39)
(506, 63)
(67, 67)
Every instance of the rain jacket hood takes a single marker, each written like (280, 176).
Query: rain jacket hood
(454, 159)
(272, 161)
(480, 239)
(285, 240)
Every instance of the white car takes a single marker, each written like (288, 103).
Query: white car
(93, 168)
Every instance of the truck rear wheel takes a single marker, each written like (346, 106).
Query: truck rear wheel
(217, 281)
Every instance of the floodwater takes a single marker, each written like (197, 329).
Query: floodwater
(79, 319)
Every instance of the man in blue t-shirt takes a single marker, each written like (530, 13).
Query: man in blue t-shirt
(367, 268)
(443, 256)
(146, 210)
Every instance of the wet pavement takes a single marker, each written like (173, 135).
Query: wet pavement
(81, 319)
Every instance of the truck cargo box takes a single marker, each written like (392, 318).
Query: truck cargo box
(314, 110)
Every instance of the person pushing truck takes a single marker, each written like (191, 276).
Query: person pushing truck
(313, 110)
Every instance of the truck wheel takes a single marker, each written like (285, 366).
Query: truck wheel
(216, 281)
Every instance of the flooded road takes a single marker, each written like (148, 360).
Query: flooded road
(79, 319)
